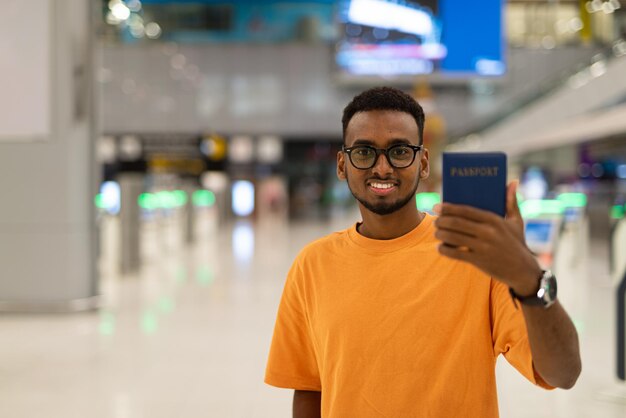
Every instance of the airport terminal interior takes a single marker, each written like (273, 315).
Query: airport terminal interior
(163, 162)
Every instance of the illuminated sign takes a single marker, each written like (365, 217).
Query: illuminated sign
(243, 197)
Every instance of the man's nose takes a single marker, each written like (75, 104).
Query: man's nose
(382, 166)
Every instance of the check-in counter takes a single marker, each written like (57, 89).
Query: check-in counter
(557, 232)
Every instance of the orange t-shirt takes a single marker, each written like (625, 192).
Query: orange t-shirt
(390, 328)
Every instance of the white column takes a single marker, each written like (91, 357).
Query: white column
(47, 170)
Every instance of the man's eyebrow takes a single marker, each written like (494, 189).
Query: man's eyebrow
(393, 141)
(363, 142)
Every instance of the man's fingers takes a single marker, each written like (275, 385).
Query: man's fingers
(461, 225)
(458, 253)
(468, 212)
(458, 239)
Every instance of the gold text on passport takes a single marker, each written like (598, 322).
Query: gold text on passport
(474, 171)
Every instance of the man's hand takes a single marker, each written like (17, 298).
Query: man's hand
(497, 247)
(493, 244)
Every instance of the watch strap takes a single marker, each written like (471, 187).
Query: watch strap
(539, 298)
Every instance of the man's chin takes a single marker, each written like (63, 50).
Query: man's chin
(382, 210)
(386, 208)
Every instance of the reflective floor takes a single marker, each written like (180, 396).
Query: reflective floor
(188, 335)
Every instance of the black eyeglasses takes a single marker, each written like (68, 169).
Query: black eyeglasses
(364, 157)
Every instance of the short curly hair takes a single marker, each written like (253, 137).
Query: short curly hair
(384, 98)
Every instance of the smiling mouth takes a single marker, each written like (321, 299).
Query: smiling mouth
(381, 187)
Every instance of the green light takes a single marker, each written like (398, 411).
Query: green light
(534, 208)
(148, 201)
(166, 200)
(99, 201)
(166, 305)
(573, 200)
(149, 322)
(426, 201)
(107, 324)
(163, 200)
(179, 198)
(203, 198)
(618, 212)
(204, 276)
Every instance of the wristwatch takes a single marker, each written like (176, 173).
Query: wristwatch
(545, 296)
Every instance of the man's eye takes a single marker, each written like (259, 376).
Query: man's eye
(400, 152)
(363, 152)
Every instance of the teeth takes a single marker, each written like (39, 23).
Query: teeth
(382, 185)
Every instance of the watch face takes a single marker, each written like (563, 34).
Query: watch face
(552, 284)
(549, 286)
(546, 296)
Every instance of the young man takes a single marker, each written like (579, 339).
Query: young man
(404, 314)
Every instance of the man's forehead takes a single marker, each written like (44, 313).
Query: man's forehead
(388, 125)
(381, 117)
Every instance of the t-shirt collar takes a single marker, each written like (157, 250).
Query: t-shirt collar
(411, 238)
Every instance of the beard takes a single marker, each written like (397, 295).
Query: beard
(385, 208)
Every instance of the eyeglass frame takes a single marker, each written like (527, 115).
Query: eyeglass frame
(379, 151)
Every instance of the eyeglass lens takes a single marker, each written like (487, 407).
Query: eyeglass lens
(399, 156)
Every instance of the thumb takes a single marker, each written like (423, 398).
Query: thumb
(512, 208)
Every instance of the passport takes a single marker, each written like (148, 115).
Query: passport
(476, 179)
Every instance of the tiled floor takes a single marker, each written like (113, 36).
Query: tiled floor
(188, 336)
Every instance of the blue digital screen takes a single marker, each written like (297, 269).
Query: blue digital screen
(449, 37)
(538, 232)
(572, 214)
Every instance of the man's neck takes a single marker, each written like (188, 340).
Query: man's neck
(390, 226)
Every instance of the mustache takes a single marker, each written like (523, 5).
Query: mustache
(383, 179)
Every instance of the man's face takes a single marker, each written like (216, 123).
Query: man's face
(382, 189)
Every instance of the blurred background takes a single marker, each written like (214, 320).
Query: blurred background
(162, 162)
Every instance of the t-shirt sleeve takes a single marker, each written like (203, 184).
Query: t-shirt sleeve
(292, 362)
(509, 334)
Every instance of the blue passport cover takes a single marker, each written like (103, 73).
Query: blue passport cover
(475, 179)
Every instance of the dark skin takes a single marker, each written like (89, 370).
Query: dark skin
(493, 244)
(307, 404)
(382, 129)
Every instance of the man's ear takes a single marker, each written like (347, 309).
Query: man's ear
(424, 165)
(341, 165)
